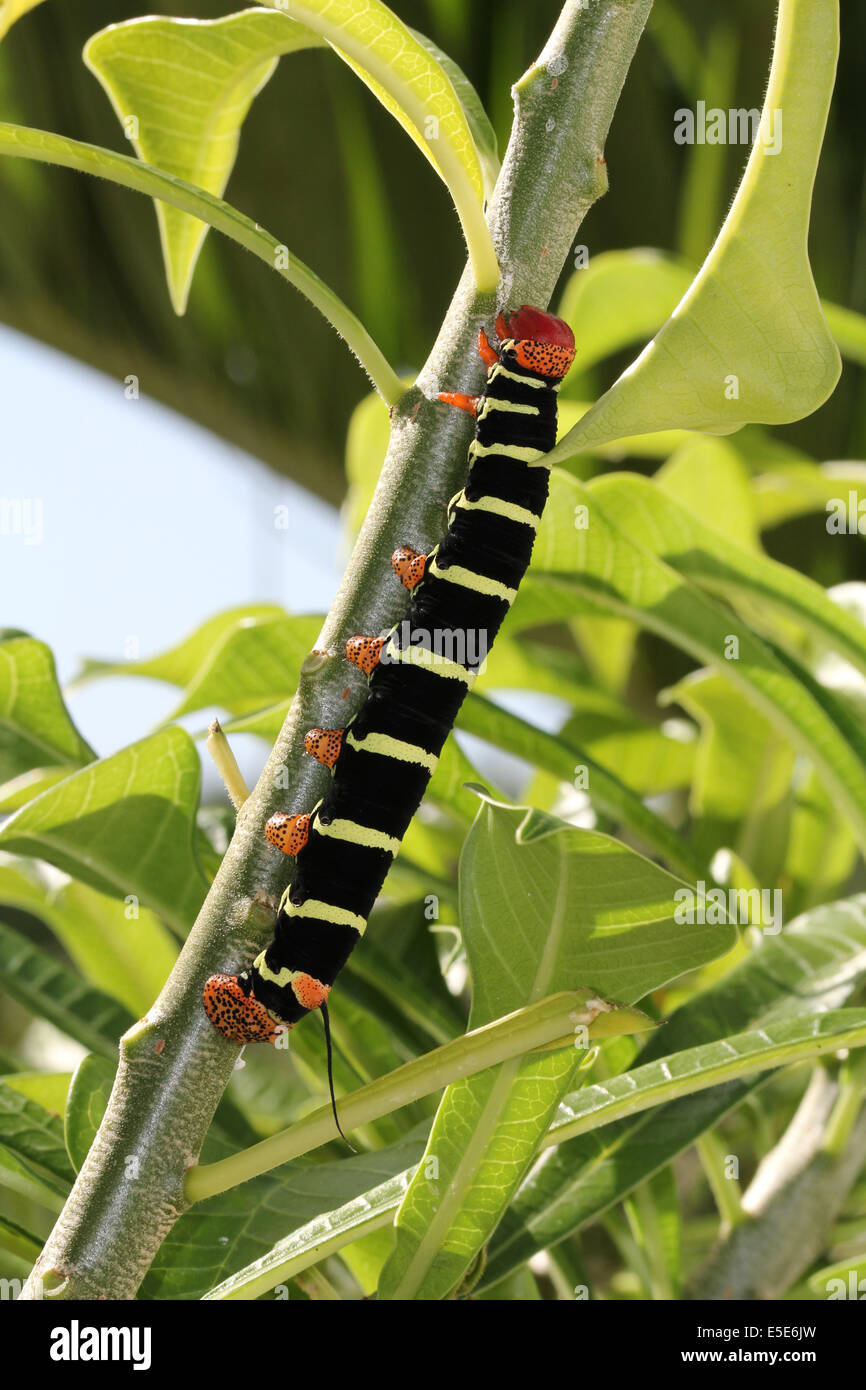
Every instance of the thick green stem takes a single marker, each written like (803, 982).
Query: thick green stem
(552, 1020)
(175, 1066)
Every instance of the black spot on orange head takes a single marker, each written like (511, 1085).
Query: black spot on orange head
(240, 1017)
(364, 652)
(288, 833)
(324, 745)
(409, 565)
(542, 342)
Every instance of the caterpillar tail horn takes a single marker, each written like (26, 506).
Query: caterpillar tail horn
(326, 1020)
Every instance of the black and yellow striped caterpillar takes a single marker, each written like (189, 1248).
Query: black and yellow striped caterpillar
(419, 673)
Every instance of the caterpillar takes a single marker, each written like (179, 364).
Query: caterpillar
(419, 674)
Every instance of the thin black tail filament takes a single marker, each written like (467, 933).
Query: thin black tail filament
(330, 1050)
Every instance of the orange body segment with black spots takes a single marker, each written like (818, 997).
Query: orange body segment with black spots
(364, 652)
(542, 342)
(548, 359)
(309, 992)
(324, 745)
(288, 833)
(238, 1016)
(409, 565)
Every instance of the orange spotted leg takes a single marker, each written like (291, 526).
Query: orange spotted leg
(288, 833)
(461, 401)
(409, 565)
(324, 745)
(364, 652)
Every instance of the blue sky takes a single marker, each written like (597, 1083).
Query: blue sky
(142, 525)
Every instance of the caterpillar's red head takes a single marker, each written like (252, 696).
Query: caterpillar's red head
(238, 1016)
(542, 342)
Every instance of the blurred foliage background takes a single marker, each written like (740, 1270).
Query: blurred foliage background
(324, 168)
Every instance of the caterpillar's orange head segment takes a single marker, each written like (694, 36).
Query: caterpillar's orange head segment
(238, 1016)
(364, 652)
(309, 992)
(324, 745)
(542, 342)
(288, 833)
(409, 566)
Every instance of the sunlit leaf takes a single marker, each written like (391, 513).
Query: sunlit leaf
(181, 88)
(85, 1105)
(125, 825)
(814, 965)
(543, 906)
(54, 992)
(36, 731)
(748, 342)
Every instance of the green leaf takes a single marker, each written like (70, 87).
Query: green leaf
(33, 1133)
(23, 143)
(55, 992)
(366, 446)
(752, 312)
(800, 487)
(775, 1044)
(743, 776)
(543, 907)
(185, 663)
(707, 477)
(86, 1105)
(323, 1236)
(602, 568)
(125, 825)
(124, 951)
(620, 298)
(624, 297)
(182, 89)
(845, 1278)
(191, 83)
(241, 660)
(255, 664)
(17, 792)
(264, 723)
(563, 757)
(12, 10)
(23, 1180)
(35, 730)
(220, 1236)
(480, 125)
(121, 949)
(17, 1241)
(684, 540)
(47, 1088)
(409, 82)
(821, 852)
(814, 965)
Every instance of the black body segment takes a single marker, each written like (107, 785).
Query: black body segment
(427, 665)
